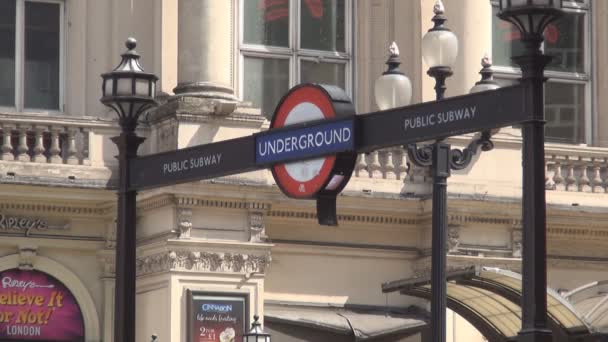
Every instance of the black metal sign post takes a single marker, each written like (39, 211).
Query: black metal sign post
(399, 126)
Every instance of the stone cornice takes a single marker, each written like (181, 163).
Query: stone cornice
(164, 200)
(350, 218)
(55, 208)
(197, 261)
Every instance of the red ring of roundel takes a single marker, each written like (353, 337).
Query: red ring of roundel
(289, 185)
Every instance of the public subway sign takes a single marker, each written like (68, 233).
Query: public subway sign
(440, 119)
(34, 306)
(314, 138)
(193, 163)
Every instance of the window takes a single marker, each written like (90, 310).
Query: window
(567, 93)
(287, 42)
(30, 54)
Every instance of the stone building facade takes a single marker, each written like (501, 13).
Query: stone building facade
(222, 66)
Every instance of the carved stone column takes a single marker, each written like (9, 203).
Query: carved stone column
(205, 38)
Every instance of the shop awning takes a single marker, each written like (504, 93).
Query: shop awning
(363, 323)
(591, 301)
(489, 298)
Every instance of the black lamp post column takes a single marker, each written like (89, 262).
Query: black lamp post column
(531, 17)
(124, 299)
(534, 266)
(129, 91)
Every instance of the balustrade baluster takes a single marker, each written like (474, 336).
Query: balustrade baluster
(558, 179)
(389, 167)
(7, 145)
(72, 159)
(596, 182)
(23, 149)
(402, 168)
(375, 169)
(570, 179)
(584, 182)
(84, 151)
(361, 166)
(55, 149)
(39, 156)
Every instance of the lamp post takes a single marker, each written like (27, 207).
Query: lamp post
(439, 49)
(531, 17)
(256, 334)
(129, 91)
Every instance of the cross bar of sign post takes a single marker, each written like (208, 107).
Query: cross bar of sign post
(363, 133)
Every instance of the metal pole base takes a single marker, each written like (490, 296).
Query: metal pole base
(534, 335)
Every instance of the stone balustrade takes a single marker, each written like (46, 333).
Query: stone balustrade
(49, 139)
(47, 143)
(579, 169)
(384, 164)
(568, 168)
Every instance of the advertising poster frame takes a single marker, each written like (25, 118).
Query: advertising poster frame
(215, 317)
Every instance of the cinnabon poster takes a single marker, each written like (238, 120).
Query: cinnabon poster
(217, 318)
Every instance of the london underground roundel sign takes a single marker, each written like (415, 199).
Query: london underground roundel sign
(319, 177)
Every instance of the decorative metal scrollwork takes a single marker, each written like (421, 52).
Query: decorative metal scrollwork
(459, 158)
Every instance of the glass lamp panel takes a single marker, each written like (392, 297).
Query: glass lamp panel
(107, 86)
(266, 22)
(325, 73)
(439, 48)
(265, 81)
(124, 86)
(505, 41)
(565, 112)
(392, 91)
(142, 87)
(322, 25)
(565, 41)
(41, 69)
(7, 52)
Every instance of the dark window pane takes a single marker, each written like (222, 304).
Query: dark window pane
(42, 55)
(266, 22)
(265, 81)
(325, 73)
(565, 112)
(565, 41)
(7, 52)
(322, 25)
(505, 41)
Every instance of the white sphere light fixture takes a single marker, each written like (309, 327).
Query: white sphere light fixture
(393, 89)
(439, 44)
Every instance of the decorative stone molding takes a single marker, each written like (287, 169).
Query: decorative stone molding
(453, 238)
(392, 220)
(48, 208)
(463, 218)
(194, 202)
(184, 222)
(516, 241)
(257, 229)
(110, 235)
(202, 262)
(27, 257)
(107, 262)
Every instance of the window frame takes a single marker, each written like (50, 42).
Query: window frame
(585, 78)
(293, 52)
(19, 106)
